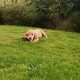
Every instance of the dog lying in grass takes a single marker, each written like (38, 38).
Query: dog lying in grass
(34, 35)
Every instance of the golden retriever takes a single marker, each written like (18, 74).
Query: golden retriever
(34, 35)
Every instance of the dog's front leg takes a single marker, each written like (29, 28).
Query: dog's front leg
(35, 40)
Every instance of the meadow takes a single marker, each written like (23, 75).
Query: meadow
(55, 58)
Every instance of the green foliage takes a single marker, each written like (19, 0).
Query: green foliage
(19, 12)
(76, 21)
(46, 13)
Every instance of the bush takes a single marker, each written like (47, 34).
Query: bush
(76, 21)
(1, 19)
(54, 14)
(19, 13)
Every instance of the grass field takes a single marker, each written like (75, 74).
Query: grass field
(55, 58)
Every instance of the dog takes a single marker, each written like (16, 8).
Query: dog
(34, 35)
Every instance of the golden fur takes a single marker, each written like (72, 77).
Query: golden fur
(34, 35)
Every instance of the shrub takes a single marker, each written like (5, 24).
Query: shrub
(76, 21)
(54, 14)
(19, 13)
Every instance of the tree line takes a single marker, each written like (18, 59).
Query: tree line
(54, 14)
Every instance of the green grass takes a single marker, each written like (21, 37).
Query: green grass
(55, 58)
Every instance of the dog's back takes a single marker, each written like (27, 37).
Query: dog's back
(38, 33)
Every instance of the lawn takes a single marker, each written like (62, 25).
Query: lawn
(55, 58)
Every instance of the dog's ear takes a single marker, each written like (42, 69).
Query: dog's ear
(26, 34)
(35, 36)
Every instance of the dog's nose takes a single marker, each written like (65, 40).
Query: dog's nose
(29, 38)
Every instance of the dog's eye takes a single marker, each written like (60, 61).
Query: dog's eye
(32, 34)
(27, 34)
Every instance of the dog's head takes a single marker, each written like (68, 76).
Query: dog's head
(30, 36)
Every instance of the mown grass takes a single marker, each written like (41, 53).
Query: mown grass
(55, 58)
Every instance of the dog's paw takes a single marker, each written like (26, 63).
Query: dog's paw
(46, 37)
